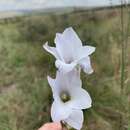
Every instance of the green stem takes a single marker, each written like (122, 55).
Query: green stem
(122, 60)
(124, 44)
(123, 49)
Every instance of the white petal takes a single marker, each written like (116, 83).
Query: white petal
(88, 49)
(53, 85)
(60, 84)
(65, 50)
(75, 119)
(51, 50)
(73, 78)
(70, 36)
(51, 82)
(63, 67)
(85, 51)
(68, 44)
(59, 111)
(64, 82)
(57, 85)
(80, 99)
(85, 64)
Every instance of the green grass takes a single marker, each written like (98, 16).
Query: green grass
(25, 96)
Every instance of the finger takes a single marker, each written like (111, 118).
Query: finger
(51, 126)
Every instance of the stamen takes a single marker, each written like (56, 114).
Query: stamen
(65, 97)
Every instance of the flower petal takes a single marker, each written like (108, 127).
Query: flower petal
(75, 119)
(67, 44)
(54, 87)
(64, 82)
(70, 36)
(60, 84)
(85, 51)
(65, 50)
(51, 50)
(63, 67)
(85, 64)
(73, 79)
(80, 99)
(88, 49)
(59, 111)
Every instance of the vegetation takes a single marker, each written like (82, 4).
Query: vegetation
(25, 96)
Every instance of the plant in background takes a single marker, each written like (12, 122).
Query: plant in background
(69, 96)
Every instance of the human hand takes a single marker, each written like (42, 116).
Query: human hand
(51, 126)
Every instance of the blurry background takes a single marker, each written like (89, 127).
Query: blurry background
(25, 96)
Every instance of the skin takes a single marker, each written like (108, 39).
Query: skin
(51, 126)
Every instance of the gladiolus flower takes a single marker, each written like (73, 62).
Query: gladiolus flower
(69, 99)
(69, 52)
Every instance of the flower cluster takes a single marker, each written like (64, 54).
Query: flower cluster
(69, 96)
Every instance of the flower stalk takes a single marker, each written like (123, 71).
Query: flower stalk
(123, 48)
(122, 60)
(124, 42)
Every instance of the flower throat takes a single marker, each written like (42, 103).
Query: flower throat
(65, 97)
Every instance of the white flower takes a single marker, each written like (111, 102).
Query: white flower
(69, 52)
(69, 98)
